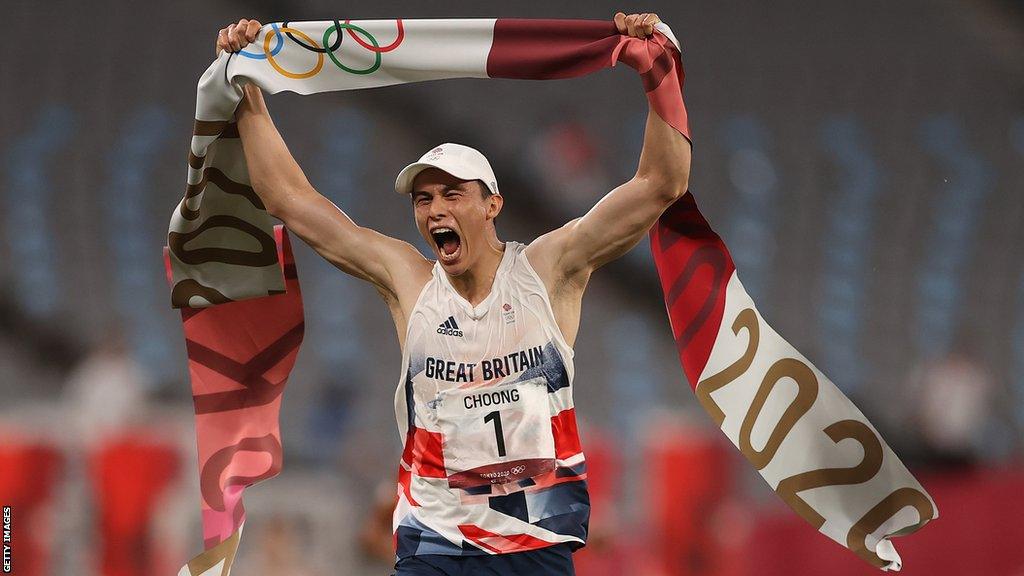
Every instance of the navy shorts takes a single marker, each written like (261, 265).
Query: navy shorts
(550, 561)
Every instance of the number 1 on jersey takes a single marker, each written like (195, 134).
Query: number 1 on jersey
(496, 418)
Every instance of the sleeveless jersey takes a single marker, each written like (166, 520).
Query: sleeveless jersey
(492, 460)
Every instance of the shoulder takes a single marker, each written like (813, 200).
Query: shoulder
(407, 269)
(547, 253)
(411, 272)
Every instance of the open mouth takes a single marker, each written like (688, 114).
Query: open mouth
(449, 245)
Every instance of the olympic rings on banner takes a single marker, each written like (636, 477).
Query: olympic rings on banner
(258, 56)
(297, 76)
(314, 48)
(376, 52)
(367, 41)
(375, 48)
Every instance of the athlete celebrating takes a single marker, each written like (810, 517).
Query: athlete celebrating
(492, 478)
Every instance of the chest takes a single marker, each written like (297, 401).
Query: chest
(507, 336)
(512, 316)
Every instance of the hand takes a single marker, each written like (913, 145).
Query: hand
(237, 36)
(636, 25)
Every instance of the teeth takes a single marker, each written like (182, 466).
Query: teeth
(441, 230)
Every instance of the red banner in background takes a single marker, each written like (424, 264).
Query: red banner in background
(130, 476)
(29, 474)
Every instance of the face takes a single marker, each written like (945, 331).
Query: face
(454, 217)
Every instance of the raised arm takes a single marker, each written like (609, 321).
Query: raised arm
(621, 219)
(390, 264)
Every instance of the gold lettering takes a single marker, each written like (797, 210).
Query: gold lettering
(884, 510)
(869, 465)
(747, 320)
(807, 393)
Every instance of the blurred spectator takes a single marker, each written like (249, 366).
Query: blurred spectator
(124, 459)
(376, 538)
(105, 392)
(280, 549)
(569, 161)
(951, 398)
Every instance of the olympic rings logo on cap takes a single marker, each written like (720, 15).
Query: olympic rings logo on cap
(325, 47)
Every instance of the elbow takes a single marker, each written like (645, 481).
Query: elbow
(278, 199)
(667, 188)
(279, 214)
(274, 208)
(675, 190)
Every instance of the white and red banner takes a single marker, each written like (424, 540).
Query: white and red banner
(808, 441)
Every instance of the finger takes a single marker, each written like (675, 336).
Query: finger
(240, 33)
(227, 38)
(253, 27)
(654, 21)
(631, 25)
(232, 42)
(641, 25)
(648, 24)
(620, 22)
(222, 40)
(637, 29)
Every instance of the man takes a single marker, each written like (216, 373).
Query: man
(492, 477)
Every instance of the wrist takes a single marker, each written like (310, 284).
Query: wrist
(252, 102)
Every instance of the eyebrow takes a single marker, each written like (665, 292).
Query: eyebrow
(457, 188)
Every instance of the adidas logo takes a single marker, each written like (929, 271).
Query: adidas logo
(449, 328)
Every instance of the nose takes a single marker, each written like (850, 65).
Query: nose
(438, 209)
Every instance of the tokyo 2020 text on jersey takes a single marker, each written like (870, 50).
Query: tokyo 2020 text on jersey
(492, 462)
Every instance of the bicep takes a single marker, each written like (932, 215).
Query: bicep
(615, 224)
(356, 250)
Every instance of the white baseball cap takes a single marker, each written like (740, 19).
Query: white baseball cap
(460, 161)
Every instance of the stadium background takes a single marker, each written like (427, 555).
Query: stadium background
(862, 160)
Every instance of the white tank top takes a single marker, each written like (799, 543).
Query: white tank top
(492, 460)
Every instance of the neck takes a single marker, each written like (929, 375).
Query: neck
(475, 283)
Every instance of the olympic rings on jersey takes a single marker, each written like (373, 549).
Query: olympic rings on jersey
(315, 48)
(376, 52)
(375, 48)
(300, 75)
(277, 48)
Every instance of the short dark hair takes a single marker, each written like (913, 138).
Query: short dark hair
(485, 192)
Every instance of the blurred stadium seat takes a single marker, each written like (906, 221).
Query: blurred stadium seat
(863, 160)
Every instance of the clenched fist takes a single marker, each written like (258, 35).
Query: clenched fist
(636, 25)
(237, 36)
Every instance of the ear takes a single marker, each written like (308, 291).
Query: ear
(494, 205)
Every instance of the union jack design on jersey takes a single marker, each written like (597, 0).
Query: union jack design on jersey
(496, 476)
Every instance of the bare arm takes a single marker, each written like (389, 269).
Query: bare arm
(287, 194)
(621, 219)
(566, 257)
